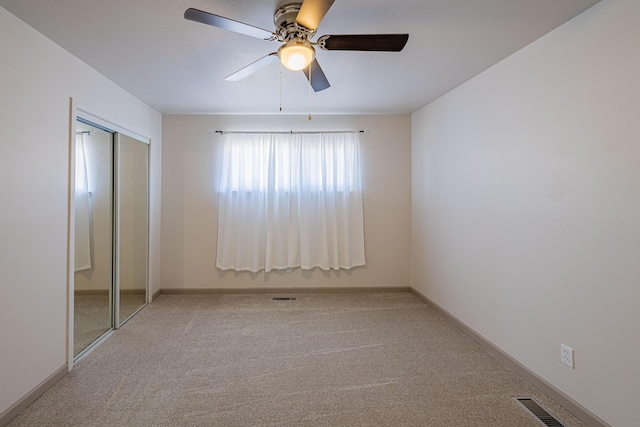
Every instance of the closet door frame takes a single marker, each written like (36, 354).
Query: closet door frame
(85, 115)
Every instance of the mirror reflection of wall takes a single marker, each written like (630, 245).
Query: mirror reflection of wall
(111, 231)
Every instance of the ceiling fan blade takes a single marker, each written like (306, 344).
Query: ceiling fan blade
(318, 79)
(366, 42)
(226, 24)
(311, 13)
(253, 67)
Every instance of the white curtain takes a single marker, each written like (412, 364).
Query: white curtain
(290, 200)
(82, 229)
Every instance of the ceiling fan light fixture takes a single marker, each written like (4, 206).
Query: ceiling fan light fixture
(296, 54)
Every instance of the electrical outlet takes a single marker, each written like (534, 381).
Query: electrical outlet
(566, 355)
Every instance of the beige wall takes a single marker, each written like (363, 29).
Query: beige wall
(189, 213)
(38, 79)
(526, 207)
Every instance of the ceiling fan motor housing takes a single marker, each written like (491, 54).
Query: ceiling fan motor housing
(286, 25)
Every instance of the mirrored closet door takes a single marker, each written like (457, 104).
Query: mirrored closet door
(93, 277)
(131, 225)
(111, 231)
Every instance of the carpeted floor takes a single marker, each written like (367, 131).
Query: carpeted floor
(343, 359)
(91, 319)
(92, 316)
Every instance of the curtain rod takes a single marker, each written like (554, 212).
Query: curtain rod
(334, 131)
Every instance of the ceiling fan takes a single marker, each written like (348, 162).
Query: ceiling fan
(295, 25)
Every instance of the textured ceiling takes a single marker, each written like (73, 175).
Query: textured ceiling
(178, 66)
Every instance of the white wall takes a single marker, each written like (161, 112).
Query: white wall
(38, 79)
(189, 213)
(526, 206)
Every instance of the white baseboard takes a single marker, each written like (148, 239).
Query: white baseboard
(278, 290)
(32, 396)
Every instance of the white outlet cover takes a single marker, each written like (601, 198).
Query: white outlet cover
(566, 355)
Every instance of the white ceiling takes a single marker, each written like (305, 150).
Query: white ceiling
(178, 66)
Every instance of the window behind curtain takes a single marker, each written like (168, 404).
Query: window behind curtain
(82, 243)
(290, 200)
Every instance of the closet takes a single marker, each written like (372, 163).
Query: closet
(111, 229)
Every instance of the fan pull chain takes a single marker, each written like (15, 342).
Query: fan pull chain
(309, 117)
(280, 85)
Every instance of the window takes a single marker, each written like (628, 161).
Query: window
(290, 200)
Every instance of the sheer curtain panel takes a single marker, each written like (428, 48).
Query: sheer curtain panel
(82, 259)
(290, 200)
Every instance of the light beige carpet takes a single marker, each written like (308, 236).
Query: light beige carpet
(92, 316)
(91, 319)
(344, 359)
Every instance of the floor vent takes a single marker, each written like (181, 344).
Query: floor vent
(284, 298)
(533, 407)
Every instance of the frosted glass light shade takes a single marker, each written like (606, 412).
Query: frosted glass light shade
(296, 54)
